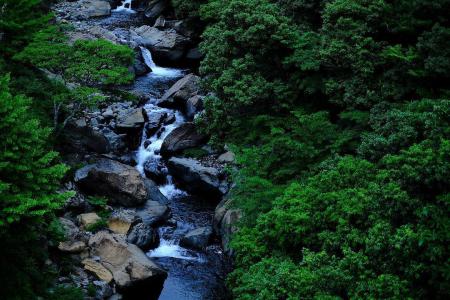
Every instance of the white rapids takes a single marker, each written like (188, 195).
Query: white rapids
(125, 6)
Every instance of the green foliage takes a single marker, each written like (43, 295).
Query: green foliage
(99, 225)
(97, 202)
(195, 152)
(65, 293)
(338, 113)
(29, 173)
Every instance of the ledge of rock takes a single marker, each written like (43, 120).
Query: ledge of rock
(184, 137)
(226, 218)
(196, 178)
(130, 268)
(197, 239)
(180, 92)
(120, 183)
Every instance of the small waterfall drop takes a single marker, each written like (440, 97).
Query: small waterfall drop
(156, 70)
(126, 6)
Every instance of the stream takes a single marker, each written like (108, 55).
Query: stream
(191, 274)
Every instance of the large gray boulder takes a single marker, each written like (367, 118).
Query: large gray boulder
(194, 105)
(127, 265)
(154, 9)
(226, 217)
(131, 119)
(180, 92)
(120, 183)
(154, 213)
(80, 136)
(166, 45)
(94, 8)
(144, 236)
(139, 66)
(184, 137)
(197, 239)
(196, 178)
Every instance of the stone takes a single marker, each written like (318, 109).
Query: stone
(98, 269)
(88, 219)
(155, 170)
(155, 120)
(120, 183)
(181, 138)
(154, 213)
(139, 66)
(143, 236)
(154, 9)
(94, 8)
(196, 178)
(225, 222)
(72, 247)
(166, 45)
(71, 231)
(193, 106)
(131, 119)
(180, 92)
(130, 267)
(121, 220)
(197, 239)
(227, 157)
(103, 290)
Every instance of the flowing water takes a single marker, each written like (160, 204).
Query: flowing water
(192, 274)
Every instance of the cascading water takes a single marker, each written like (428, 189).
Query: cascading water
(125, 6)
(156, 70)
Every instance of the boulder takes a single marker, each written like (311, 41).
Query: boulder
(197, 238)
(94, 8)
(180, 92)
(121, 220)
(139, 66)
(71, 231)
(120, 183)
(98, 269)
(227, 157)
(81, 137)
(193, 106)
(131, 119)
(154, 213)
(155, 120)
(225, 222)
(166, 45)
(155, 170)
(72, 247)
(184, 137)
(88, 219)
(130, 268)
(196, 178)
(143, 236)
(154, 9)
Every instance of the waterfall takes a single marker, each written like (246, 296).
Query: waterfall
(126, 6)
(156, 70)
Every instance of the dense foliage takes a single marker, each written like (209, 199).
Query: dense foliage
(45, 82)
(339, 113)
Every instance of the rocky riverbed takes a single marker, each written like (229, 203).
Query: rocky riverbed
(162, 232)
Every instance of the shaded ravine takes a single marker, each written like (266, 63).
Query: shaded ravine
(192, 274)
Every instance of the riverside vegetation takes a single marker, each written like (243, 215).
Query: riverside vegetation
(337, 111)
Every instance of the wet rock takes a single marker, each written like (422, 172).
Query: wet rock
(94, 8)
(154, 9)
(82, 137)
(103, 290)
(71, 231)
(227, 157)
(98, 269)
(131, 119)
(196, 178)
(155, 120)
(139, 66)
(180, 92)
(184, 137)
(193, 106)
(198, 238)
(131, 269)
(72, 247)
(143, 236)
(155, 170)
(225, 222)
(88, 219)
(120, 183)
(166, 45)
(121, 220)
(154, 213)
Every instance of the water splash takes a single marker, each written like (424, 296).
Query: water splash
(125, 7)
(157, 70)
